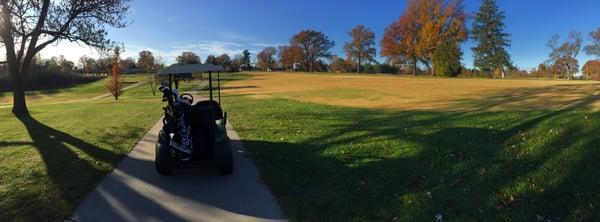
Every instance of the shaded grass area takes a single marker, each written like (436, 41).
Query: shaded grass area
(51, 159)
(327, 163)
(82, 91)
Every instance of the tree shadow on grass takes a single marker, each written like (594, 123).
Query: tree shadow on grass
(73, 167)
(535, 98)
(466, 166)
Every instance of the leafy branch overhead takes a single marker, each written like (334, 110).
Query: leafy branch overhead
(28, 26)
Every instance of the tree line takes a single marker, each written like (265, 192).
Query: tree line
(426, 38)
(51, 73)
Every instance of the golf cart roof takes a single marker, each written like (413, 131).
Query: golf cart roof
(191, 68)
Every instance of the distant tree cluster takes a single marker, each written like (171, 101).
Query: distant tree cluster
(54, 72)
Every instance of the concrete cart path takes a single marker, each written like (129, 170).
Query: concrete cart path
(124, 89)
(133, 191)
(81, 100)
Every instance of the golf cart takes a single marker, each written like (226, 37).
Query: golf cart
(192, 134)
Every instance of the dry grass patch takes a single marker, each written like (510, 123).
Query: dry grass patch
(421, 93)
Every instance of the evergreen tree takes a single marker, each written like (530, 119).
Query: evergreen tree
(491, 41)
(245, 60)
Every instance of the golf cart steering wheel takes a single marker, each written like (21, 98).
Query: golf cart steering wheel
(190, 97)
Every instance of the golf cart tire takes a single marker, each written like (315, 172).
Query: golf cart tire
(162, 170)
(162, 157)
(226, 156)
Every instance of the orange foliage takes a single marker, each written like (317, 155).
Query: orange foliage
(115, 78)
(290, 55)
(424, 26)
(591, 69)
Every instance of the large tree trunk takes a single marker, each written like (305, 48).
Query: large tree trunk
(19, 105)
(414, 67)
(358, 66)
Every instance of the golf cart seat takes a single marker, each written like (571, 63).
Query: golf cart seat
(202, 120)
(211, 104)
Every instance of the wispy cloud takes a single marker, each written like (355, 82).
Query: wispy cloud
(231, 43)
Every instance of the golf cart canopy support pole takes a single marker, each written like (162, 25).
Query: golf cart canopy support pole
(189, 69)
(210, 85)
(219, 85)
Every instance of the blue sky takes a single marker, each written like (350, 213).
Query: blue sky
(228, 26)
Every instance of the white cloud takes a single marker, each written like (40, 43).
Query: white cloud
(72, 51)
(168, 52)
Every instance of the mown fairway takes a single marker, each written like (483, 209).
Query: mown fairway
(422, 93)
(361, 148)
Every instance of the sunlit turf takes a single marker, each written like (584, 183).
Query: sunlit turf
(52, 159)
(79, 92)
(328, 163)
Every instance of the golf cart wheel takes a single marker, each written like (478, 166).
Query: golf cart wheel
(226, 166)
(162, 157)
(162, 170)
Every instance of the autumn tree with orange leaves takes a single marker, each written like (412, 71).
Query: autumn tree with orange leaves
(114, 85)
(266, 60)
(591, 70)
(289, 55)
(422, 28)
(399, 41)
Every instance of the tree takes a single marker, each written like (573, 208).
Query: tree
(438, 21)
(421, 29)
(447, 59)
(225, 61)
(361, 47)
(147, 64)
(86, 63)
(236, 63)
(64, 64)
(128, 63)
(266, 60)
(491, 41)
(245, 60)
(115, 78)
(289, 56)
(188, 57)
(28, 26)
(399, 43)
(146, 61)
(594, 47)
(314, 45)
(102, 65)
(542, 71)
(591, 69)
(339, 65)
(211, 59)
(564, 56)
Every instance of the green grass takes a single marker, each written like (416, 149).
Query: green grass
(50, 160)
(327, 163)
(78, 92)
